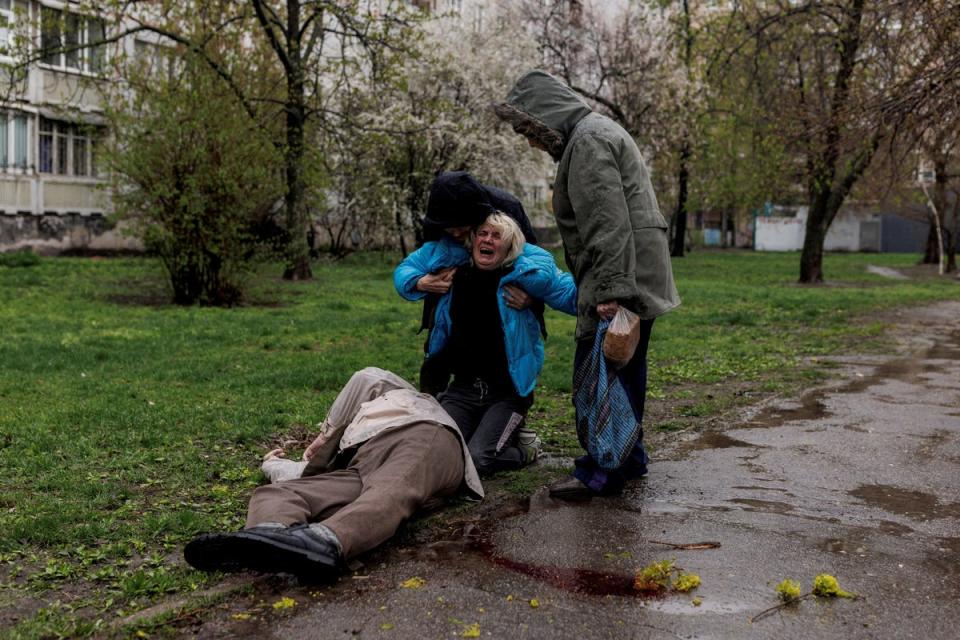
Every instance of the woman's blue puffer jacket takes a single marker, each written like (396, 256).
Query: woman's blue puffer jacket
(535, 271)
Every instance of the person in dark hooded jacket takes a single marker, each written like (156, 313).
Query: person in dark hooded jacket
(458, 202)
(614, 240)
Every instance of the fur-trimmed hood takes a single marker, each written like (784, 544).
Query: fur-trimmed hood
(543, 108)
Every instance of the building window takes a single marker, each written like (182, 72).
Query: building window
(20, 141)
(72, 41)
(97, 51)
(45, 150)
(50, 43)
(67, 149)
(6, 26)
(157, 60)
(478, 18)
(62, 148)
(13, 140)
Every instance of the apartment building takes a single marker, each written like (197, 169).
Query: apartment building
(52, 185)
(51, 130)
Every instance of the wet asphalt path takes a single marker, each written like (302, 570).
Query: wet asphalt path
(859, 480)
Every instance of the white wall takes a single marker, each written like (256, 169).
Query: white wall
(780, 234)
(786, 234)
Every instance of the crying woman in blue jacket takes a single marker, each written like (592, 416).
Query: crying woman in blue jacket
(494, 351)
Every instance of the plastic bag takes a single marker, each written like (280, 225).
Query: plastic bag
(606, 424)
(622, 337)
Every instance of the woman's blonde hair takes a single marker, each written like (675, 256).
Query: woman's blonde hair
(509, 232)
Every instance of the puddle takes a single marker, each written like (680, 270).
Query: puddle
(811, 407)
(844, 546)
(894, 528)
(903, 369)
(707, 605)
(930, 444)
(948, 350)
(913, 504)
(755, 488)
(765, 506)
(716, 440)
(950, 546)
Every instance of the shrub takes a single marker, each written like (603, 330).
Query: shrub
(23, 258)
(194, 175)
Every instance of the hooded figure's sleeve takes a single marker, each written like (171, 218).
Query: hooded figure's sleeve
(595, 189)
(411, 269)
(430, 258)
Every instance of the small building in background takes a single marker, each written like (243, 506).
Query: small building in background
(782, 228)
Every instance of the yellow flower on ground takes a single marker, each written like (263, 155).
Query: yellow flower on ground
(788, 591)
(534, 603)
(241, 616)
(686, 582)
(413, 583)
(827, 586)
(284, 603)
(654, 577)
(471, 631)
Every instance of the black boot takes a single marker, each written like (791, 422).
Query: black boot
(296, 550)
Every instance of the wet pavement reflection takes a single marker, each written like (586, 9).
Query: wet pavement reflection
(858, 479)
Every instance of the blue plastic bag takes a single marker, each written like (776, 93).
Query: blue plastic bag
(606, 425)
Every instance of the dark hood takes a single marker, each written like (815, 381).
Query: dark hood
(544, 108)
(456, 200)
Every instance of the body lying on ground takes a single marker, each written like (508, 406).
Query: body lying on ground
(383, 452)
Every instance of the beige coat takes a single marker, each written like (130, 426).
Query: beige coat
(373, 401)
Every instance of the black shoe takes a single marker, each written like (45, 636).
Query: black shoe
(571, 490)
(295, 550)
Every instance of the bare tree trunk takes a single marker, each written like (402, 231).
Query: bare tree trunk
(939, 237)
(683, 171)
(399, 222)
(298, 251)
(811, 258)
(930, 249)
(828, 190)
(680, 217)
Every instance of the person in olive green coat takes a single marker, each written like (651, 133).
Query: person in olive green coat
(614, 238)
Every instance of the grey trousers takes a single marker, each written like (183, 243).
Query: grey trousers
(389, 477)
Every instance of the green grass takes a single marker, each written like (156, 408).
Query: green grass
(128, 425)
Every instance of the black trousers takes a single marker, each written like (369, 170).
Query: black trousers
(488, 418)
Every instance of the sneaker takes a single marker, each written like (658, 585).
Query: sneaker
(530, 445)
(296, 550)
(526, 436)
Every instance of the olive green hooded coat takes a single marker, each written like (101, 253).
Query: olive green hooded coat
(614, 236)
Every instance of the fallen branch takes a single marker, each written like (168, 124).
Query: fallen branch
(777, 607)
(696, 546)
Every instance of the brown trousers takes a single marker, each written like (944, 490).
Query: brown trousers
(391, 476)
